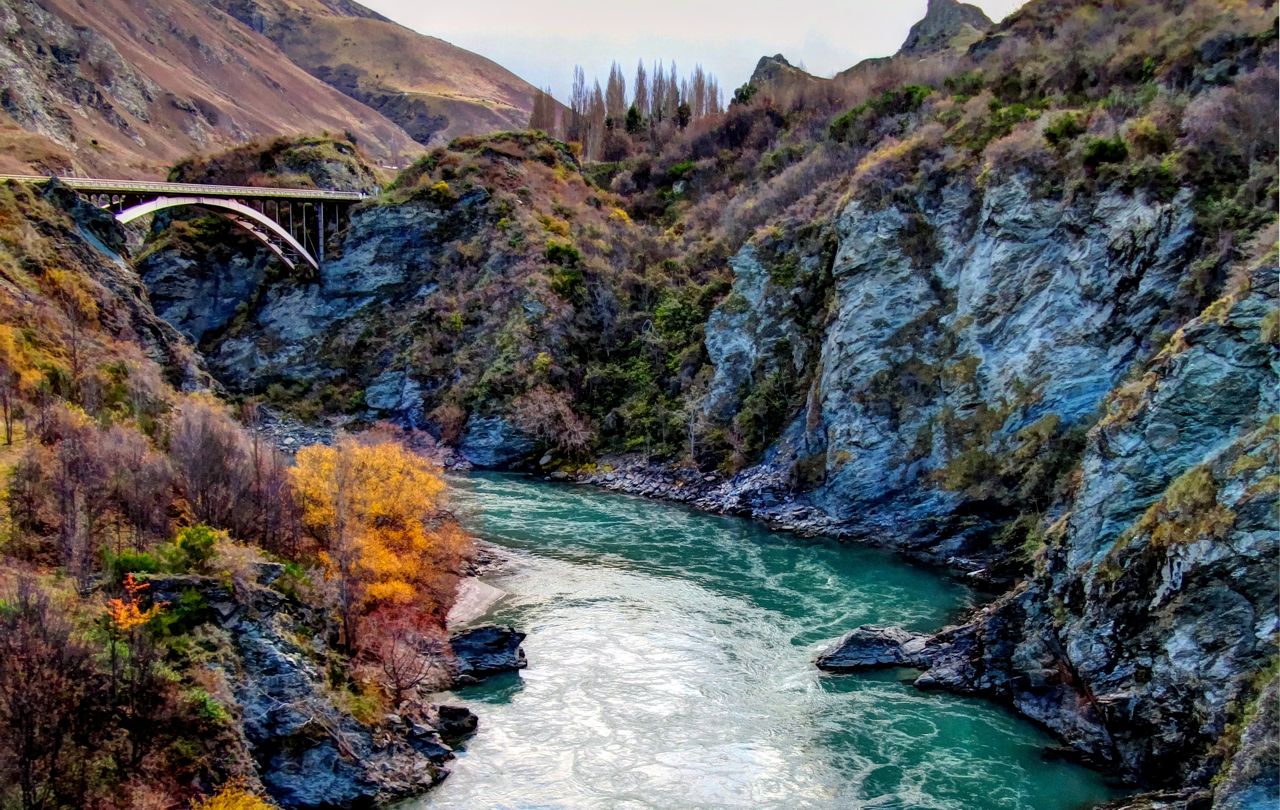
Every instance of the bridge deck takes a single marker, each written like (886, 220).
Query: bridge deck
(200, 189)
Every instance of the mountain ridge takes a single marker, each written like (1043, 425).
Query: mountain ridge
(433, 89)
(129, 87)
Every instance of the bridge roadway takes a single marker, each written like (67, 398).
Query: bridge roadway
(148, 187)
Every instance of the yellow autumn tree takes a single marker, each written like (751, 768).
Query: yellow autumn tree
(375, 508)
(126, 613)
(81, 311)
(16, 374)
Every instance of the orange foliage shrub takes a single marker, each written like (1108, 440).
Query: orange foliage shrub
(126, 613)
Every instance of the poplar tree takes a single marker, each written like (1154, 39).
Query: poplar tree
(543, 116)
(659, 93)
(640, 90)
(697, 95)
(615, 96)
(578, 103)
(671, 94)
(595, 123)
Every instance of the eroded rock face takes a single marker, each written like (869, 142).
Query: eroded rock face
(1152, 614)
(1252, 779)
(491, 442)
(755, 332)
(200, 295)
(1164, 577)
(955, 322)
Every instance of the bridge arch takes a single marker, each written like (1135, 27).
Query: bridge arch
(254, 217)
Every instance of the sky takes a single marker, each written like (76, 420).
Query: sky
(541, 40)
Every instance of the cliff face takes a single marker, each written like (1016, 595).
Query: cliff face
(962, 330)
(1152, 608)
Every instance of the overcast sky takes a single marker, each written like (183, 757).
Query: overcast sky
(541, 40)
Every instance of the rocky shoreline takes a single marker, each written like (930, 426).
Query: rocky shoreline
(762, 493)
(310, 750)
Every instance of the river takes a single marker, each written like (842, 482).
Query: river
(670, 666)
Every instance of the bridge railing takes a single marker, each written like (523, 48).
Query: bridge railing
(201, 189)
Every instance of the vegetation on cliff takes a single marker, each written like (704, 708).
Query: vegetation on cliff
(122, 474)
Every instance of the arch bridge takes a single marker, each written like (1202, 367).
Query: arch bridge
(296, 224)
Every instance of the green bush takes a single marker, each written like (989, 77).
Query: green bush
(563, 254)
(764, 411)
(192, 549)
(679, 170)
(178, 620)
(857, 122)
(129, 562)
(678, 316)
(1063, 129)
(569, 284)
(965, 85)
(1098, 151)
(207, 707)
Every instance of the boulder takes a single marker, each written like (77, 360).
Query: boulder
(455, 723)
(871, 647)
(486, 651)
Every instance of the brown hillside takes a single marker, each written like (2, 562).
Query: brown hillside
(434, 90)
(128, 87)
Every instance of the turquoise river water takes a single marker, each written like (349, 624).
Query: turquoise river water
(670, 666)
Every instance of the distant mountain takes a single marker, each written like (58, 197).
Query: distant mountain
(947, 25)
(128, 87)
(432, 89)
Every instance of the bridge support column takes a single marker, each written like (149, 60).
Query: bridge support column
(321, 239)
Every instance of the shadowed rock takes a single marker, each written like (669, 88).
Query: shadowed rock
(486, 651)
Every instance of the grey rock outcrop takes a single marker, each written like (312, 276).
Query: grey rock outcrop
(309, 752)
(491, 442)
(947, 25)
(1252, 777)
(756, 331)
(956, 322)
(874, 647)
(1013, 312)
(200, 295)
(1153, 609)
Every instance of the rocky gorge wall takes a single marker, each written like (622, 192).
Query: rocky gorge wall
(962, 329)
(1145, 629)
(1147, 635)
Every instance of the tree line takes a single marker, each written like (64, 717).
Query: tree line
(612, 121)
